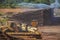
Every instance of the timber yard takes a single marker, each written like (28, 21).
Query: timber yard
(38, 27)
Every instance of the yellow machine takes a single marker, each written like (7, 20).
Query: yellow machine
(21, 31)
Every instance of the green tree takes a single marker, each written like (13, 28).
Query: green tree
(10, 3)
(52, 1)
(38, 1)
(45, 1)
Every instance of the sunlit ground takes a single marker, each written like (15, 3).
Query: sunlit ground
(50, 32)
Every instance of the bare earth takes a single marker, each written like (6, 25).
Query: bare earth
(50, 32)
(17, 10)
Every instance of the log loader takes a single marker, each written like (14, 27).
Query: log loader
(16, 30)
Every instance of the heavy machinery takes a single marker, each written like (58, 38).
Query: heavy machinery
(13, 29)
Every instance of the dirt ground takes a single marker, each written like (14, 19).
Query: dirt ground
(50, 32)
(21, 10)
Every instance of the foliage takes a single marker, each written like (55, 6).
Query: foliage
(13, 3)
(3, 19)
(8, 4)
(38, 1)
(45, 1)
(1, 14)
(52, 1)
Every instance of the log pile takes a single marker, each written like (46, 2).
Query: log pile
(43, 17)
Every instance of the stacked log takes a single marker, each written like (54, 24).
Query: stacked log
(43, 17)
